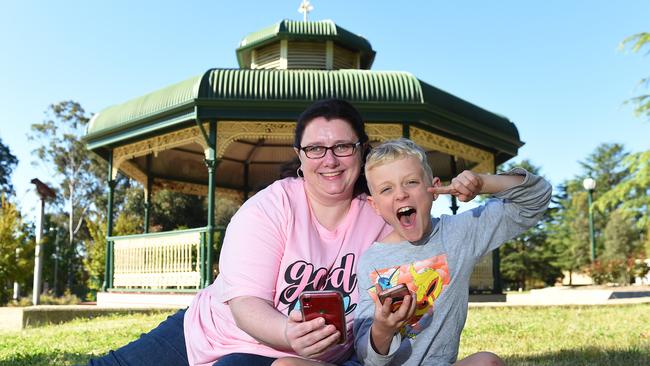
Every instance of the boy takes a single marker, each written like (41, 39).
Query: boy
(434, 257)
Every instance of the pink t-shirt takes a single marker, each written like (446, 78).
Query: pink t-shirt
(274, 249)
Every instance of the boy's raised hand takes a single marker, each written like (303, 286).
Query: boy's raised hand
(386, 323)
(465, 186)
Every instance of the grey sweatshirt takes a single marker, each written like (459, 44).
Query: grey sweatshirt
(437, 270)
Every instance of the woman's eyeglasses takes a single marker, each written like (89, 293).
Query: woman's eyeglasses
(340, 150)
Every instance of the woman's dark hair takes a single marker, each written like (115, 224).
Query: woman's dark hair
(331, 109)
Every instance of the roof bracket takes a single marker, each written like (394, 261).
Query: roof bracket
(205, 135)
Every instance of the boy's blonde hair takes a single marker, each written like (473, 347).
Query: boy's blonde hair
(392, 150)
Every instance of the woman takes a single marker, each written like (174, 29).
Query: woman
(300, 233)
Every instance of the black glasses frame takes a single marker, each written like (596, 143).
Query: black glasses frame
(307, 150)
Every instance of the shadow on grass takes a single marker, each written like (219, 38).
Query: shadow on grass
(584, 357)
(47, 359)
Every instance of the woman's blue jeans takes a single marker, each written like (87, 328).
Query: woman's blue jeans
(163, 346)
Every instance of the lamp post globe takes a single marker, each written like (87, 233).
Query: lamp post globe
(590, 184)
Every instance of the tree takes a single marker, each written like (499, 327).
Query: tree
(74, 166)
(62, 261)
(96, 251)
(632, 193)
(569, 227)
(170, 210)
(7, 163)
(568, 243)
(607, 165)
(174, 210)
(642, 102)
(628, 202)
(16, 250)
(528, 259)
(622, 243)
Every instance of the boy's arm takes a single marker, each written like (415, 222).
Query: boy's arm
(380, 339)
(363, 322)
(468, 185)
(520, 200)
(386, 323)
(498, 183)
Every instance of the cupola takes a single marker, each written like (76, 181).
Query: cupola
(316, 45)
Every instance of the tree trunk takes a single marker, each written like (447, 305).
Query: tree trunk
(70, 232)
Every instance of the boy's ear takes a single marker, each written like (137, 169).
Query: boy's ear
(436, 183)
(373, 205)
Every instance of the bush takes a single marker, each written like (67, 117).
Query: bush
(50, 299)
(599, 273)
(617, 271)
(638, 268)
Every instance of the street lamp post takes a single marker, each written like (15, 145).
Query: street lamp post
(590, 184)
(44, 193)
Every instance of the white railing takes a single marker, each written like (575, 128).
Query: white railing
(158, 261)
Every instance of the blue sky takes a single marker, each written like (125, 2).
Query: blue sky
(552, 67)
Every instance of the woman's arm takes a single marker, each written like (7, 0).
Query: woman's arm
(262, 321)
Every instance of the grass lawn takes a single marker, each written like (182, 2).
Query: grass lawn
(73, 343)
(567, 335)
(577, 335)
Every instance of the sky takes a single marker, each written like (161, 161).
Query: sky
(553, 67)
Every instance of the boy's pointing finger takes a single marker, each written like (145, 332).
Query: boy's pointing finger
(441, 190)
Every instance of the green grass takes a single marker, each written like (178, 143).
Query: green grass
(75, 342)
(570, 335)
(587, 335)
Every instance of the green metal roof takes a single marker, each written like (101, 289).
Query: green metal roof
(322, 30)
(241, 94)
(359, 85)
(268, 85)
(163, 101)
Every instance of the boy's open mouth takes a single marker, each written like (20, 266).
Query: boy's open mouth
(406, 215)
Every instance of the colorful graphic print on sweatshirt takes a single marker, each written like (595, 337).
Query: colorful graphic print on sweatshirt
(426, 279)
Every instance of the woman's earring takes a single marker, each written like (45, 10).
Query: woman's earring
(300, 173)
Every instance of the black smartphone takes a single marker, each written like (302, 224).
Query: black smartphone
(325, 304)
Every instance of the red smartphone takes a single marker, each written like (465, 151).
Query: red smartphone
(396, 293)
(325, 304)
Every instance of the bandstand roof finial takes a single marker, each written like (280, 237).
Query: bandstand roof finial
(305, 8)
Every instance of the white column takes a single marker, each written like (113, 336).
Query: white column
(284, 54)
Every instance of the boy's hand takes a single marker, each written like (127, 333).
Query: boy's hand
(387, 323)
(465, 186)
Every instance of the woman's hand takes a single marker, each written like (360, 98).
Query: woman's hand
(309, 339)
(386, 323)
